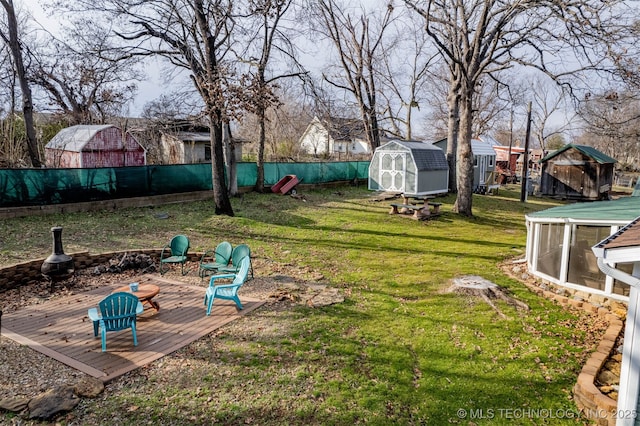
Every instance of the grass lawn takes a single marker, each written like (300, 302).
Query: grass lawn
(400, 350)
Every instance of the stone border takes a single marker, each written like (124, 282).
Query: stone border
(592, 403)
(14, 276)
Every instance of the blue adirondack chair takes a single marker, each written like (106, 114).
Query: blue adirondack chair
(227, 291)
(211, 261)
(118, 311)
(239, 252)
(174, 252)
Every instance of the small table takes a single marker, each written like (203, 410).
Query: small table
(145, 293)
(425, 200)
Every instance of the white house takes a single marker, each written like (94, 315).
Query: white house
(335, 136)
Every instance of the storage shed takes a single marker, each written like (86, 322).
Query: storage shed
(409, 167)
(90, 146)
(577, 172)
(484, 164)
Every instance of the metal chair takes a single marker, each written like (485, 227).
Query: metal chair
(239, 252)
(174, 252)
(211, 261)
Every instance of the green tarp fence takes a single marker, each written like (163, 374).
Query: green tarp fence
(29, 187)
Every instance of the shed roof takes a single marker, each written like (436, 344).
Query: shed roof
(622, 209)
(194, 136)
(479, 147)
(427, 156)
(589, 151)
(74, 138)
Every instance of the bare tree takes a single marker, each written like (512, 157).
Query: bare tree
(11, 38)
(357, 41)
(612, 124)
(283, 125)
(270, 36)
(482, 37)
(404, 72)
(548, 102)
(85, 78)
(195, 35)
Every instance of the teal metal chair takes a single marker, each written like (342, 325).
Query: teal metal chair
(118, 311)
(174, 252)
(212, 260)
(239, 252)
(227, 291)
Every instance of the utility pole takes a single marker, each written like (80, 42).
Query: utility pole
(525, 162)
(511, 177)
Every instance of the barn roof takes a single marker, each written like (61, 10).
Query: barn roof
(426, 155)
(589, 151)
(74, 138)
(622, 209)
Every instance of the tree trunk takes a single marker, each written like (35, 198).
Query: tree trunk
(27, 101)
(453, 101)
(220, 195)
(230, 160)
(260, 160)
(465, 157)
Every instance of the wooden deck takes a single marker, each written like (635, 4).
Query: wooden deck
(61, 329)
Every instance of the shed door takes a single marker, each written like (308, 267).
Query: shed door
(482, 166)
(392, 168)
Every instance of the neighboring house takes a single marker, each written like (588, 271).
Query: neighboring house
(409, 167)
(577, 172)
(90, 146)
(335, 136)
(484, 164)
(185, 147)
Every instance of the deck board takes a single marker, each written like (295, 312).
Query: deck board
(61, 329)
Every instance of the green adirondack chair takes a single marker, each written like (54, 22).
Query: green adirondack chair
(118, 311)
(227, 291)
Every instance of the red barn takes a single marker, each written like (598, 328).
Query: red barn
(89, 146)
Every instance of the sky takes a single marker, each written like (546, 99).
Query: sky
(147, 89)
(154, 85)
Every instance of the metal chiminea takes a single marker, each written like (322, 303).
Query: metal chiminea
(58, 265)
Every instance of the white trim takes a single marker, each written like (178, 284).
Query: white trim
(630, 368)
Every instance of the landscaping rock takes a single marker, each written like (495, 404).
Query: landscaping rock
(606, 377)
(52, 402)
(89, 387)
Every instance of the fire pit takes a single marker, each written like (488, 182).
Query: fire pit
(57, 266)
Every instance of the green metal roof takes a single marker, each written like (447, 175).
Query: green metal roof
(589, 151)
(622, 209)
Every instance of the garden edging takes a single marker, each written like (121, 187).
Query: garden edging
(592, 403)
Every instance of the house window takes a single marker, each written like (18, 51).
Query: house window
(207, 153)
(491, 161)
(475, 161)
